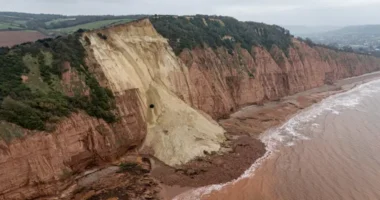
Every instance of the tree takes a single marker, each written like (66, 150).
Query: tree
(347, 49)
(309, 42)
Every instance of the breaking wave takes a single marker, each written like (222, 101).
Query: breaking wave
(290, 132)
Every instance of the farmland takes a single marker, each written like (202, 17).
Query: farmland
(10, 38)
(92, 25)
(27, 27)
(55, 21)
(10, 26)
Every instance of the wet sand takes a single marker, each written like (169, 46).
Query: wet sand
(246, 125)
(329, 151)
(239, 152)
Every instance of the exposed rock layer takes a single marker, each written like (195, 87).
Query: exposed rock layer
(155, 92)
(136, 57)
(225, 82)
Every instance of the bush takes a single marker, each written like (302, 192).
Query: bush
(81, 30)
(34, 109)
(191, 32)
(104, 37)
(309, 42)
(4, 50)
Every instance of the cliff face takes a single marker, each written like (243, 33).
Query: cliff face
(42, 164)
(157, 97)
(148, 82)
(136, 57)
(225, 82)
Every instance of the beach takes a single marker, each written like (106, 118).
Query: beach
(244, 146)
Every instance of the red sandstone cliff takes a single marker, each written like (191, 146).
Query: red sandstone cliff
(224, 82)
(213, 81)
(42, 164)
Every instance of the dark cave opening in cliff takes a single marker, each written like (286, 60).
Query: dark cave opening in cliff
(151, 106)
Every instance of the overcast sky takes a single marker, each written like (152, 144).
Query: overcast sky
(282, 12)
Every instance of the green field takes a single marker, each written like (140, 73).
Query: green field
(23, 22)
(6, 26)
(92, 25)
(54, 25)
(59, 20)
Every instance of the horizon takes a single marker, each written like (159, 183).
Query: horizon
(300, 25)
(281, 12)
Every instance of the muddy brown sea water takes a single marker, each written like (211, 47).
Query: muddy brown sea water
(330, 151)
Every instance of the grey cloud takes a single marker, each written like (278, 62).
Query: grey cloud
(283, 12)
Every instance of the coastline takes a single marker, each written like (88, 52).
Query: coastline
(243, 130)
(151, 179)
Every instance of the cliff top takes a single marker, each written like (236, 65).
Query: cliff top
(216, 31)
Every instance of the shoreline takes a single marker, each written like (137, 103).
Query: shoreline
(247, 124)
(146, 176)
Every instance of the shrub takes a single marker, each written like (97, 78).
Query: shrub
(309, 42)
(104, 37)
(66, 173)
(35, 109)
(192, 32)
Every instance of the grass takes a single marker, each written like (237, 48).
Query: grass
(56, 81)
(92, 25)
(35, 81)
(59, 20)
(48, 58)
(20, 22)
(79, 87)
(77, 83)
(29, 30)
(10, 131)
(10, 16)
(6, 26)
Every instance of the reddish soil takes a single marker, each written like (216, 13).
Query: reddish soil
(11, 38)
(131, 182)
(240, 153)
(121, 186)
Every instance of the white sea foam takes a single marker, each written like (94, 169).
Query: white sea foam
(289, 133)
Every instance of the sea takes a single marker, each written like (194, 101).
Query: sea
(329, 151)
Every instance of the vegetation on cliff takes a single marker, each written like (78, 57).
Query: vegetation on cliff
(217, 31)
(32, 92)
